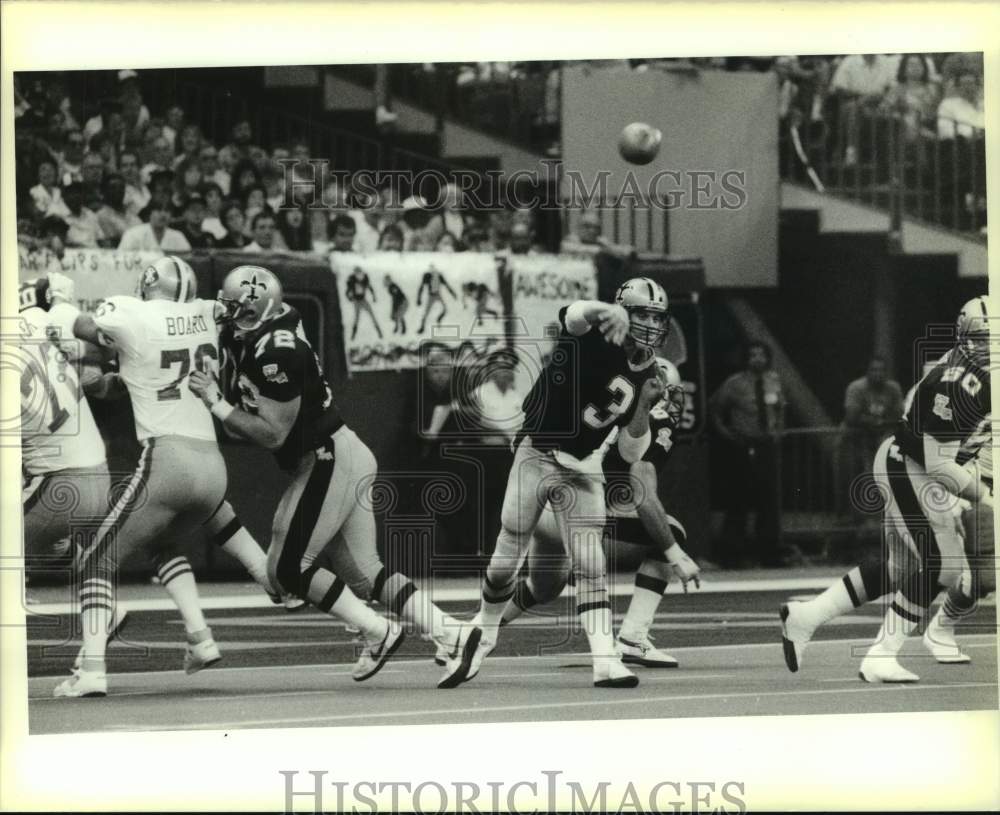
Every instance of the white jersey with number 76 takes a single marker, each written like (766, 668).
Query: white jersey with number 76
(159, 343)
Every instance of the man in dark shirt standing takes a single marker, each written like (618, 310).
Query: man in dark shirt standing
(748, 412)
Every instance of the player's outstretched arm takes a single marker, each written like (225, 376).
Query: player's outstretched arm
(654, 518)
(612, 319)
(269, 427)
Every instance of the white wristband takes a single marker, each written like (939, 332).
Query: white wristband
(222, 409)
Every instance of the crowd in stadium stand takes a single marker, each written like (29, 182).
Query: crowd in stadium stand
(134, 178)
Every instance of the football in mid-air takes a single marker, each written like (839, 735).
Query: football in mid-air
(639, 143)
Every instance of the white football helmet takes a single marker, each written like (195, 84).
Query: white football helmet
(972, 328)
(648, 310)
(168, 278)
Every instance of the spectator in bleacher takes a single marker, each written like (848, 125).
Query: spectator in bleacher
(476, 239)
(56, 98)
(52, 236)
(587, 240)
(450, 213)
(860, 81)
(295, 229)
(914, 97)
(748, 413)
(522, 239)
(254, 202)
(190, 224)
(265, 234)
(108, 120)
(161, 190)
(156, 234)
(161, 158)
(113, 216)
(420, 229)
(240, 145)
(103, 145)
(342, 231)
(961, 112)
(46, 195)
(274, 186)
(954, 65)
(135, 113)
(173, 126)
(137, 194)
(234, 221)
(92, 177)
(873, 405)
(243, 177)
(447, 242)
(208, 159)
(71, 158)
(366, 236)
(499, 231)
(190, 145)
(187, 182)
(84, 230)
(391, 239)
(212, 224)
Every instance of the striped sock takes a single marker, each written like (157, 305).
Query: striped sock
(650, 583)
(901, 620)
(406, 601)
(97, 608)
(594, 609)
(236, 541)
(177, 577)
(332, 596)
(957, 604)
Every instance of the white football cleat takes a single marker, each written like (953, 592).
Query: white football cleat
(375, 655)
(879, 666)
(610, 673)
(940, 641)
(473, 650)
(83, 684)
(795, 634)
(443, 654)
(201, 655)
(641, 651)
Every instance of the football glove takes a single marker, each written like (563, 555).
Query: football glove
(683, 566)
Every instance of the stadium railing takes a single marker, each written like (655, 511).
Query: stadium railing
(825, 481)
(906, 168)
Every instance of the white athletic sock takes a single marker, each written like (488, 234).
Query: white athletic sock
(900, 621)
(237, 542)
(97, 608)
(523, 599)
(332, 596)
(650, 583)
(498, 587)
(177, 578)
(834, 602)
(401, 596)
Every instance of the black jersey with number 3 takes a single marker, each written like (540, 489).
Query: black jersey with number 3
(587, 388)
(950, 403)
(277, 362)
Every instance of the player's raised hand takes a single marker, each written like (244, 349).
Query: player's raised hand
(205, 387)
(684, 567)
(614, 324)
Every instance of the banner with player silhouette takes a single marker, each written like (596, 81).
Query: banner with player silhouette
(96, 273)
(391, 302)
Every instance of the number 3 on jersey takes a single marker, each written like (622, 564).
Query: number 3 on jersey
(622, 394)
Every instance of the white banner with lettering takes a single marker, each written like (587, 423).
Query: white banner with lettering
(391, 303)
(96, 273)
(543, 284)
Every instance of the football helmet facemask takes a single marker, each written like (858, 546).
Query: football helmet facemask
(250, 295)
(648, 310)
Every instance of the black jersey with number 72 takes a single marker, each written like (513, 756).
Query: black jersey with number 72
(587, 387)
